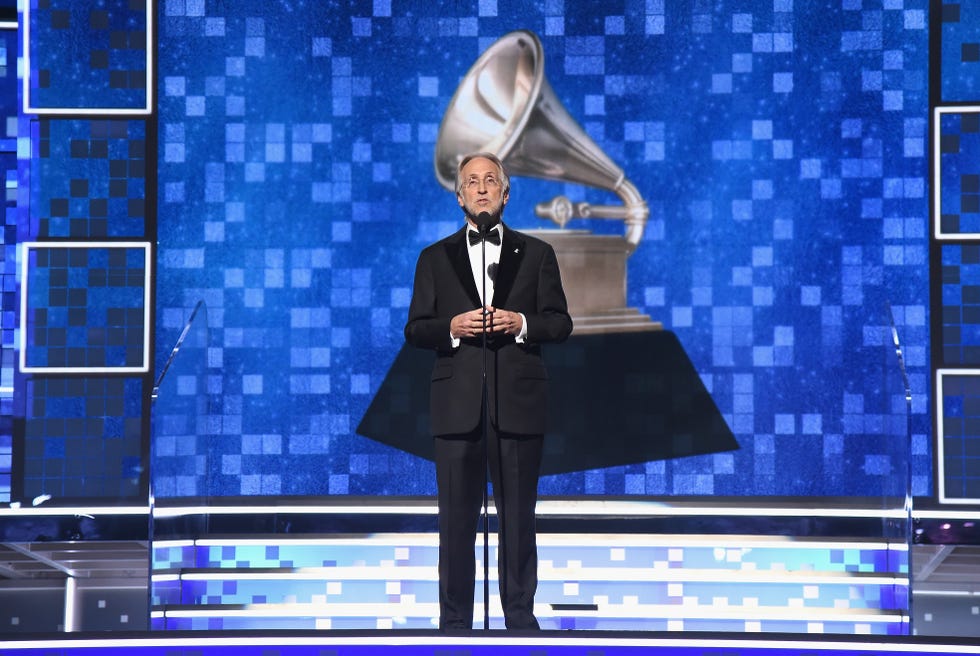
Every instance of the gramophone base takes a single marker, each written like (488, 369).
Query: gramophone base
(593, 272)
(627, 320)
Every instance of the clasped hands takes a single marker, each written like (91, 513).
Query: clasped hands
(470, 324)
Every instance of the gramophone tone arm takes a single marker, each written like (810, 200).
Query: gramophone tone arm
(561, 210)
(633, 211)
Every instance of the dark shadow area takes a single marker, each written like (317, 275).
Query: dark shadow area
(616, 399)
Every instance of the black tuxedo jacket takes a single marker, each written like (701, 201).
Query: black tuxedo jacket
(527, 281)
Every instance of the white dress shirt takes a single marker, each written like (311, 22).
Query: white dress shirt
(477, 266)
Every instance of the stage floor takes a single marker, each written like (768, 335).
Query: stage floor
(610, 569)
(475, 643)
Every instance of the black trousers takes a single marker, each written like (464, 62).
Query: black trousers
(514, 467)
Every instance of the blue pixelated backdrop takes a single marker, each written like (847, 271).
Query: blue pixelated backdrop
(781, 147)
(8, 260)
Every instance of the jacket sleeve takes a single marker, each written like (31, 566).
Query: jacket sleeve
(551, 321)
(425, 328)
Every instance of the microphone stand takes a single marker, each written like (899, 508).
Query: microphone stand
(484, 227)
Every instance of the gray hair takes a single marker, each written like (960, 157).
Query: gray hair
(504, 179)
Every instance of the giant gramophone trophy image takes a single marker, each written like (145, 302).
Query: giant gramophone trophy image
(506, 106)
(623, 390)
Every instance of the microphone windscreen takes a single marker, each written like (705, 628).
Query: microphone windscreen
(483, 221)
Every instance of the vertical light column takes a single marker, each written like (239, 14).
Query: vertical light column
(86, 233)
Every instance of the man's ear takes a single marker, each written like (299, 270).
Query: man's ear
(459, 199)
(505, 198)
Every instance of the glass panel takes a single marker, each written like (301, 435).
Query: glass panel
(179, 444)
(180, 414)
(896, 460)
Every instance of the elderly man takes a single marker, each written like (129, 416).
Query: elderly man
(495, 339)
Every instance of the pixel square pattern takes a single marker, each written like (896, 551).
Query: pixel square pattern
(781, 148)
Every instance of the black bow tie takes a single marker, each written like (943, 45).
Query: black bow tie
(493, 236)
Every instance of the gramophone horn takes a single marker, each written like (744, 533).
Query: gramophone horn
(505, 105)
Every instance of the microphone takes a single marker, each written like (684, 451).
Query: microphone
(484, 221)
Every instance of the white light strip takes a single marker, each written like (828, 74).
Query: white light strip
(945, 593)
(601, 540)
(554, 508)
(366, 509)
(654, 509)
(8, 25)
(172, 544)
(609, 611)
(71, 590)
(732, 541)
(255, 639)
(966, 515)
(90, 111)
(545, 573)
(545, 508)
(25, 46)
(378, 539)
(81, 511)
(723, 576)
(364, 573)
(937, 172)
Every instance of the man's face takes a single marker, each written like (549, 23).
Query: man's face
(482, 189)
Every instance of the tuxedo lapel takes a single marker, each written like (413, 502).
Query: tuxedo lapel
(511, 254)
(459, 256)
